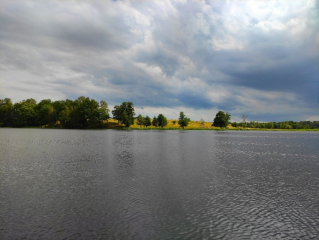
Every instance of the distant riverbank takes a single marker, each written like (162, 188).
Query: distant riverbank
(112, 124)
(192, 125)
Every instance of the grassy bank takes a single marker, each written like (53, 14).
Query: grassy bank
(193, 125)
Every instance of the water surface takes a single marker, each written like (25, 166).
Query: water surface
(73, 184)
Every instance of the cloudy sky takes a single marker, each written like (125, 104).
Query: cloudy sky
(258, 58)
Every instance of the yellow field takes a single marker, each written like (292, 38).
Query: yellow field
(111, 123)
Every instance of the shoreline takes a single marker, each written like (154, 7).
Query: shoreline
(169, 128)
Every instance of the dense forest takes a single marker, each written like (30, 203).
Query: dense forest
(81, 113)
(86, 113)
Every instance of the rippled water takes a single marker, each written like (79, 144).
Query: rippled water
(71, 184)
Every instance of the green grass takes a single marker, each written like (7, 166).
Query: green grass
(193, 125)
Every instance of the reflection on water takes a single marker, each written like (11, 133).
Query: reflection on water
(70, 184)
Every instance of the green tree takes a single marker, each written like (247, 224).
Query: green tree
(6, 112)
(24, 113)
(140, 120)
(228, 117)
(234, 124)
(155, 122)
(147, 121)
(81, 113)
(65, 117)
(285, 125)
(183, 120)
(269, 125)
(242, 124)
(306, 126)
(117, 113)
(124, 113)
(221, 119)
(252, 124)
(85, 113)
(104, 111)
(45, 112)
(162, 121)
(64, 110)
(58, 107)
(174, 122)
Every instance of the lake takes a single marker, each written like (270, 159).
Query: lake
(108, 184)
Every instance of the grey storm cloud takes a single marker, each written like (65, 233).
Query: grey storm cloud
(258, 58)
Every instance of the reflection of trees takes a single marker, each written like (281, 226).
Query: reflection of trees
(123, 155)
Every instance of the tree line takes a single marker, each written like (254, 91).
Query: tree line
(81, 113)
(278, 125)
(222, 120)
(85, 113)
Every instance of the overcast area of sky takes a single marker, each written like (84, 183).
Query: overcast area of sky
(258, 58)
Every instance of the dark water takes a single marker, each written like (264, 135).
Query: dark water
(70, 184)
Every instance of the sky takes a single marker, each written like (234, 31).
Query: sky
(253, 58)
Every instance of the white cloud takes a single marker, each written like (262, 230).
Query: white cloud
(195, 56)
(227, 43)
